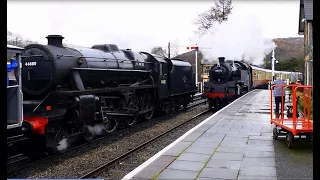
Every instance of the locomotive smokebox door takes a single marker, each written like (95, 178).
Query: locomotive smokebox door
(86, 108)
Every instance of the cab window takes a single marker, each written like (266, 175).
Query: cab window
(163, 69)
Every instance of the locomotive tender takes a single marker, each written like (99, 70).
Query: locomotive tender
(231, 79)
(68, 90)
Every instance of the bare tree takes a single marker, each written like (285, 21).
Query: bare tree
(159, 51)
(17, 40)
(217, 13)
(174, 48)
(14, 39)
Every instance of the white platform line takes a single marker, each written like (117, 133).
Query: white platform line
(153, 158)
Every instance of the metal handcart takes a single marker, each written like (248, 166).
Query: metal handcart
(291, 123)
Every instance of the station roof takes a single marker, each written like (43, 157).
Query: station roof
(14, 49)
(305, 12)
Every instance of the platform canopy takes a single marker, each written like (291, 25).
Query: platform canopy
(14, 49)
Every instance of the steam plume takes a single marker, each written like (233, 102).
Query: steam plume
(63, 144)
(96, 129)
(236, 39)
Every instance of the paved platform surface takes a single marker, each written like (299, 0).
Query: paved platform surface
(235, 143)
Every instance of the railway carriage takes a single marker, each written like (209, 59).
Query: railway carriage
(15, 138)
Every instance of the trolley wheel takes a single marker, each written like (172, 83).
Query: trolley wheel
(275, 133)
(289, 139)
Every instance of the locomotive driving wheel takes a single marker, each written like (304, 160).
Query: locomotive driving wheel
(147, 103)
(111, 124)
(61, 142)
(130, 105)
(131, 121)
(88, 136)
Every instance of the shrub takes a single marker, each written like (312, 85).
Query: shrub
(300, 104)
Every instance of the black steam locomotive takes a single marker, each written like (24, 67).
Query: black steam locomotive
(67, 90)
(227, 81)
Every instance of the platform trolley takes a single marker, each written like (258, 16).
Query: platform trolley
(292, 123)
(15, 136)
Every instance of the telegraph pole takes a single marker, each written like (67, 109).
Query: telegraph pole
(272, 64)
(169, 50)
(273, 60)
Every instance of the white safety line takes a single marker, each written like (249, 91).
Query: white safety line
(153, 158)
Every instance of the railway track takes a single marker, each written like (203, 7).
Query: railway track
(28, 162)
(96, 172)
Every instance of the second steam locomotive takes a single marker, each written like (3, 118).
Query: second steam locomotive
(230, 79)
(67, 90)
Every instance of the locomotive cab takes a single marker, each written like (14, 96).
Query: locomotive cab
(159, 70)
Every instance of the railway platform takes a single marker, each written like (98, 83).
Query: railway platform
(234, 143)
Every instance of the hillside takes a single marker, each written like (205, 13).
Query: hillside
(288, 47)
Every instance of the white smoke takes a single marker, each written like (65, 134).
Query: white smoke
(97, 129)
(236, 39)
(63, 144)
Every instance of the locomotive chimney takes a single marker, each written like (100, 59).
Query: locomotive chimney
(55, 40)
(221, 60)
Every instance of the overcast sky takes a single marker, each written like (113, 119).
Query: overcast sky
(138, 24)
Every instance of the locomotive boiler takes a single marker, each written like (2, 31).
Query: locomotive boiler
(227, 80)
(70, 91)
(53, 67)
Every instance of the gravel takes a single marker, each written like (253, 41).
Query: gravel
(93, 156)
(147, 152)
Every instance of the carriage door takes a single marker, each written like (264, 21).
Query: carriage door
(163, 87)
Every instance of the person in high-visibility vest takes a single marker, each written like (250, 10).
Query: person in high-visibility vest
(10, 67)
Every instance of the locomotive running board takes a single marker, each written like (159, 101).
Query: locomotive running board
(63, 95)
(131, 114)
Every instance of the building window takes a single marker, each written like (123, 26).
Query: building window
(206, 70)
